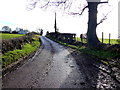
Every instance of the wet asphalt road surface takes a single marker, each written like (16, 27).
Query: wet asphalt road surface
(51, 67)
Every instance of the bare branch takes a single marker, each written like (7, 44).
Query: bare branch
(97, 1)
(102, 2)
(104, 18)
(101, 21)
(83, 10)
(72, 13)
(62, 4)
(57, 3)
(45, 4)
(34, 3)
(67, 6)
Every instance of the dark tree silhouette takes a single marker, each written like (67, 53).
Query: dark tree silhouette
(92, 5)
(6, 29)
(41, 32)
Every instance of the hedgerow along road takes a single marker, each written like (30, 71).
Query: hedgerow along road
(56, 66)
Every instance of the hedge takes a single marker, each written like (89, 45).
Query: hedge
(15, 43)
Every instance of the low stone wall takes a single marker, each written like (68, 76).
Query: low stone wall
(14, 43)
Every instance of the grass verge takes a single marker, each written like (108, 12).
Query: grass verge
(97, 53)
(13, 56)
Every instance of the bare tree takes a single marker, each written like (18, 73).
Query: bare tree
(92, 6)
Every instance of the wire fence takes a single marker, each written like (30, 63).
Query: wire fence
(83, 39)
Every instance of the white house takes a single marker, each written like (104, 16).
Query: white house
(21, 31)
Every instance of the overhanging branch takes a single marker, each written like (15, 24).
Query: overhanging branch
(83, 10)
(102, 2)
(104, 18)
(72, 13)
(101, 21)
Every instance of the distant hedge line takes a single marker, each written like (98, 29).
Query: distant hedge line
(15, 43)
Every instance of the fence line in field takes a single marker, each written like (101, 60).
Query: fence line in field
(83, 39)
(108, 38)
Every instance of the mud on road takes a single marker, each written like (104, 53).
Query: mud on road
(56, 66)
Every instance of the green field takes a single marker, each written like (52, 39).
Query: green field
(8, 36)
(106, 41)
(112, 41)
(78, 39)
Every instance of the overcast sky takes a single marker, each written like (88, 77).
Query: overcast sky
(13, 13)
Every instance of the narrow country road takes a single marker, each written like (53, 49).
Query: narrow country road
(51, 67)
(56, 66)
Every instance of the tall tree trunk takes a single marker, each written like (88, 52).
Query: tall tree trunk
(92, 38)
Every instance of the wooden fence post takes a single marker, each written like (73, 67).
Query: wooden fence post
(81, 36)
(109, 37)
(102, 37)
